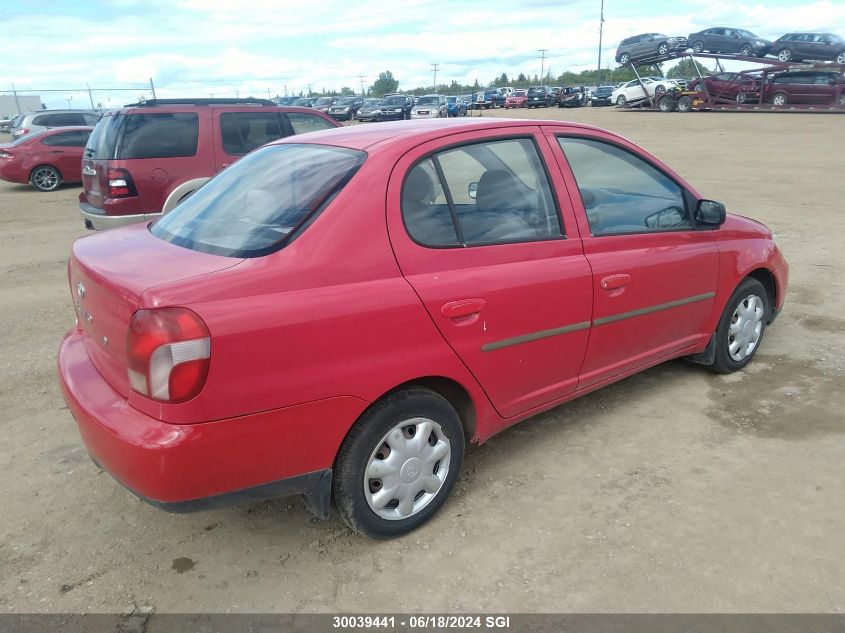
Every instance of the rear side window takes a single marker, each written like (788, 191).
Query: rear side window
(261, 202)
(302, 123)
(493, 192)
(621, 192)
(242, 132)
(60, 120)
(67, 139)
(159, 135)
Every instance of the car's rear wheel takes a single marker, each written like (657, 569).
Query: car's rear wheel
(785, 55)
(398, 463)
(45, 178)
(741, 97)
(667, 104)
(684, 104)
(780, 99)
(842, 99)
(741, 328)
(621, 101)
(663, 49)
(698, 46)
(746, 50)
(624, 58)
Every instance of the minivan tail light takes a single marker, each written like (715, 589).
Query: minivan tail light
(21, 131)
(121, 184)
(168, 351)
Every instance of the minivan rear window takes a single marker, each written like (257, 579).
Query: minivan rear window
(257, 205)
(159, 135)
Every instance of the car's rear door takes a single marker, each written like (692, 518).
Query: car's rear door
(654, 272)
(65, 149)
(494, 254)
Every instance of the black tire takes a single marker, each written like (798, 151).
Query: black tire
(624, 58)
(45, 178)
(684, 104)
(667, 104)
(663, 49)
(363, 440)
(785, 55)
(746, 51)
(723, 362)
(840, 57)
(621, 101)
(698, 46)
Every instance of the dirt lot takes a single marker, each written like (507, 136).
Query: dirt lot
(675, 490)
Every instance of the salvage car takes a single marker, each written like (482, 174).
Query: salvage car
(516, 99)
(647, 45)
(456, 106)
(601, 96)
(47, 159)
(739, 87)
(340, 314)
(395, 106)
(539, 97)
(369, 110)
(430, 107)
(32, 122)
(345, 108)
(143, 160)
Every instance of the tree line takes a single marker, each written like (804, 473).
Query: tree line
(387, 83)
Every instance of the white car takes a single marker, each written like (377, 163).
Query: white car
(632, 91)
(430, 107)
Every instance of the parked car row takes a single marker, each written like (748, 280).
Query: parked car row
(799, 46)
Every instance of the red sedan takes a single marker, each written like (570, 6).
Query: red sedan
(47, 159)
(516, 99)
(339, 314)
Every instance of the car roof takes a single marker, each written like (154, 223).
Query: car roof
(413, 132)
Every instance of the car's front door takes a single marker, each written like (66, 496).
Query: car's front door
(654, 272)
(496, 259)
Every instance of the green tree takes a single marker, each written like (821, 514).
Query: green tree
(686, 68)
(346, 91)
(385, 84)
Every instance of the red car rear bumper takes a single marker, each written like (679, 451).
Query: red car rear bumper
(188, 466)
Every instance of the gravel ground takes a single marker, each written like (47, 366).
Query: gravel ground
(674, 490)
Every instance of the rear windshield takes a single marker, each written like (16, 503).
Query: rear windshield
(103, 140)
(261, 202)
(536, 90)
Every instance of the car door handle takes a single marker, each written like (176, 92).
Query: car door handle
(462, 308)
(615, 281)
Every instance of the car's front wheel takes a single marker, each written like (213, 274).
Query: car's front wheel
(698, 47)
(663, 49)
(840, 58)
(780, 99)
(785, 55)
(621, 101)
(45, 178)
(624, 58)
(741, 328)
(398, 463)
(746, 50)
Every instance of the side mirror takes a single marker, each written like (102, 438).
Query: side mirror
(710, 213)
(472, 190)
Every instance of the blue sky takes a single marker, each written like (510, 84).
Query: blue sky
(204, 47)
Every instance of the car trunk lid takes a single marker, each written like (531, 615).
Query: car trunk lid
(109, 272)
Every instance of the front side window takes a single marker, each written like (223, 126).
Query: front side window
(253, 207)
(621, 192)
(490, 193)
(242, 132)
(159, 135)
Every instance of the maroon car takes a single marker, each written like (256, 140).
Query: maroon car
(45, 159)
(805, 87)
(739, 87)
(143, 160)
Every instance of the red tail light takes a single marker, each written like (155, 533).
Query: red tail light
(21, 131)
(121, 184)
(168, 351)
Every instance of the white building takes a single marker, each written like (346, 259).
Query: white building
(9, 104)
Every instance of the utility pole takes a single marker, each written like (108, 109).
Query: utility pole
(361, 79)
(90, 96)
(17, 103)
(309, 91)
(152, 87)
(434, 68)
(601, 29)
(542, 52)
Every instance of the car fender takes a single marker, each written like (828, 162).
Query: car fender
(181, 191)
